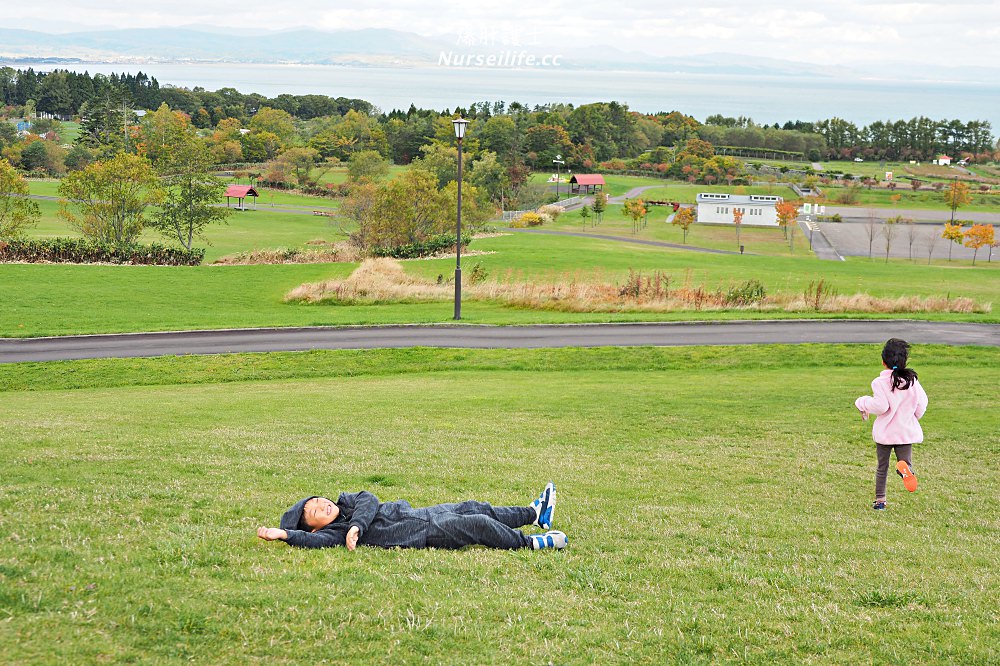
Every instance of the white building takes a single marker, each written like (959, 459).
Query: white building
(758, 209)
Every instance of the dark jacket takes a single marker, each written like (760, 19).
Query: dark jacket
(384, 524)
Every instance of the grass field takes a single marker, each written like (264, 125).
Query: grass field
(921, 199)
(769, 241)
(61, 299)
(717, 501)
(244, 230)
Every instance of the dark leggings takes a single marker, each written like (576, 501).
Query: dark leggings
(903, 452)
(478, 524)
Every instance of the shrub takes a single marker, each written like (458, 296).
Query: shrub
(748, 293)
(431, 246)
(552, 211)
(532, 220)
(82, 251)
(478, 274)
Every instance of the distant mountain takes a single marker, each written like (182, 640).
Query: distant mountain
(372, 46)
(393, 48)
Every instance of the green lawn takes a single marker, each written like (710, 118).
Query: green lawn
(921, 199)
(716, 499)
(756, 240)
(262, 228)
(62, 299)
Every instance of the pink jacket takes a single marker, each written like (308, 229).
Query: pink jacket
(897, 412)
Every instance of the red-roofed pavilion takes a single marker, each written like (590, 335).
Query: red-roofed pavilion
(241, 192)
(590, 182)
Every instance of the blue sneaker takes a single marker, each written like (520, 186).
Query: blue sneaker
(545, 507)
(878, 506)
(551, 539)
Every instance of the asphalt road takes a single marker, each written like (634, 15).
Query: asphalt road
(14, 350)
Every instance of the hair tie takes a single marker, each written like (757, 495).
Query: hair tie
(893, 367)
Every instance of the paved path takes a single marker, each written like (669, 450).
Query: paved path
(631, 194)
(821, 245)
(13, 350)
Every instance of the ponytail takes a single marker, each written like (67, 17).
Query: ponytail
(894, 355)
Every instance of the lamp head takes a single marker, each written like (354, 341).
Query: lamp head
(460, 124)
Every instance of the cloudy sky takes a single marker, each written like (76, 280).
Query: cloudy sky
(871, 32)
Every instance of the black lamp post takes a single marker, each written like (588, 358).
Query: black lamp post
(460, 124)
(557, 161)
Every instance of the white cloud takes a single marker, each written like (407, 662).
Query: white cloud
(905, 31)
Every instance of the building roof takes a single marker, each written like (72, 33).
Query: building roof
(944, 157)
(739, 199)
(240, 191)
(587, 179)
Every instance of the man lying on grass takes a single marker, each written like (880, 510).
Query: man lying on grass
(361, 519)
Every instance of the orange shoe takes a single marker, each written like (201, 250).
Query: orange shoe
(909, 478)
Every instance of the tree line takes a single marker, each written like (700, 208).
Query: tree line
(919, 138)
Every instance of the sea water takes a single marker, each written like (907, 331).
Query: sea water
(766, 99)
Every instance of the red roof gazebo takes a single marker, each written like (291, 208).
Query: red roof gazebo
(241, 192)
(590, 182)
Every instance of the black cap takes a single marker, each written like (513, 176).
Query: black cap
(292, 519)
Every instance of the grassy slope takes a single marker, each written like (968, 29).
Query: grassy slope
(709, 521)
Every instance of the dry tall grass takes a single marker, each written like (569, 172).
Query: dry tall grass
(326, 253)
(385, 281)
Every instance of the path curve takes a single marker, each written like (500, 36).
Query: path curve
(465, 336)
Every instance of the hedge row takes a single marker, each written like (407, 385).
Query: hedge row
(431, 246)
(81, 251)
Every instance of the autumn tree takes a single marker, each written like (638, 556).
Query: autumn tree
(191, 193)
(299, 163)
(408, 209)
(635, 209)
(788, 213)
(738, 221)
(107, 200)
(953, 233)
(276, 122)
(161, 130)
(684, 218)
(957, 195)
(17, 211)
(977, 236)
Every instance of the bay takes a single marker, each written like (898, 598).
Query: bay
(766, 99)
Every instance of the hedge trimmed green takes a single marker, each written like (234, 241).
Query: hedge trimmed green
(82, 251)
(425, 248)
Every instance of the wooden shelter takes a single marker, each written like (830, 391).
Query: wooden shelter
(590, 182)
(240, 193)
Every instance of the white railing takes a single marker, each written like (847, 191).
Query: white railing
(509, 215)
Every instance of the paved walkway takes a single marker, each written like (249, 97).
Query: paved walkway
(495, 337)
(821, 245)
